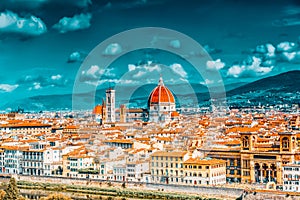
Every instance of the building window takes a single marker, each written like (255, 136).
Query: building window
(246, 142)
(285, 142)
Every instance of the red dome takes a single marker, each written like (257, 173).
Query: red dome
(98, 110)
(161, 94)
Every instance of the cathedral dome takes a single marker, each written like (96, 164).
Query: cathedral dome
(161, 94)
(98, 110)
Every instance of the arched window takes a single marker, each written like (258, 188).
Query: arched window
(293, 142)
(285, 142)
(246, 142)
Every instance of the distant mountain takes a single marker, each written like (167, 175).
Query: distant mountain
(64, 101)
(228, 87)
(274, 90)
(285, 82)
(277, 89)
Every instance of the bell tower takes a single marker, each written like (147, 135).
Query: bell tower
(123, 113)
(110, 105)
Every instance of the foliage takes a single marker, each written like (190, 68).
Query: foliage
(123, 185)
(2, 194)
(108, 192)
(12, 191)
(56, 197)
(88, 171)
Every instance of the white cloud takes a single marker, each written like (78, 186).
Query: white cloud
(207, 82)
(95, 72)
(286, 46)
(215, 65)
(291, 10)
(127, 82)
(289, 56)
(139, 74)
(270, 51)
(270, 48)
(131, 67)
(178, 69)
(144, 68)
(11, 23)
(117, 81)
(152, 68)
(56, 77)
(36, 81)
(113, 49)
(35, 86)
(236, 71)
(8, 87)
(175, 44)
(77, 22)
(255, 69)
(76, 57)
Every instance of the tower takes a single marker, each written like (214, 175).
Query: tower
(123, 113)
(110, 105)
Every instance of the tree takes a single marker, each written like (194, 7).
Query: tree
(12, 191)
(56, 197)
(123, 185)
(2, 194)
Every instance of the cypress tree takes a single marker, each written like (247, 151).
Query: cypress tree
(12, 191)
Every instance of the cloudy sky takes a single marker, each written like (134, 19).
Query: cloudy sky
(44, 42)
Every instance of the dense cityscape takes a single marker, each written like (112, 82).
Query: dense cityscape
(254, 147)
(149, 99)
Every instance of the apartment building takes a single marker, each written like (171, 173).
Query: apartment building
(12, 159)
(135, 170)
(167, 167)
(25, 127)
(291, 177)
(204, 171)
(33, 162)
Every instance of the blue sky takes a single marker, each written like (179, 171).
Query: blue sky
(43, 42)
